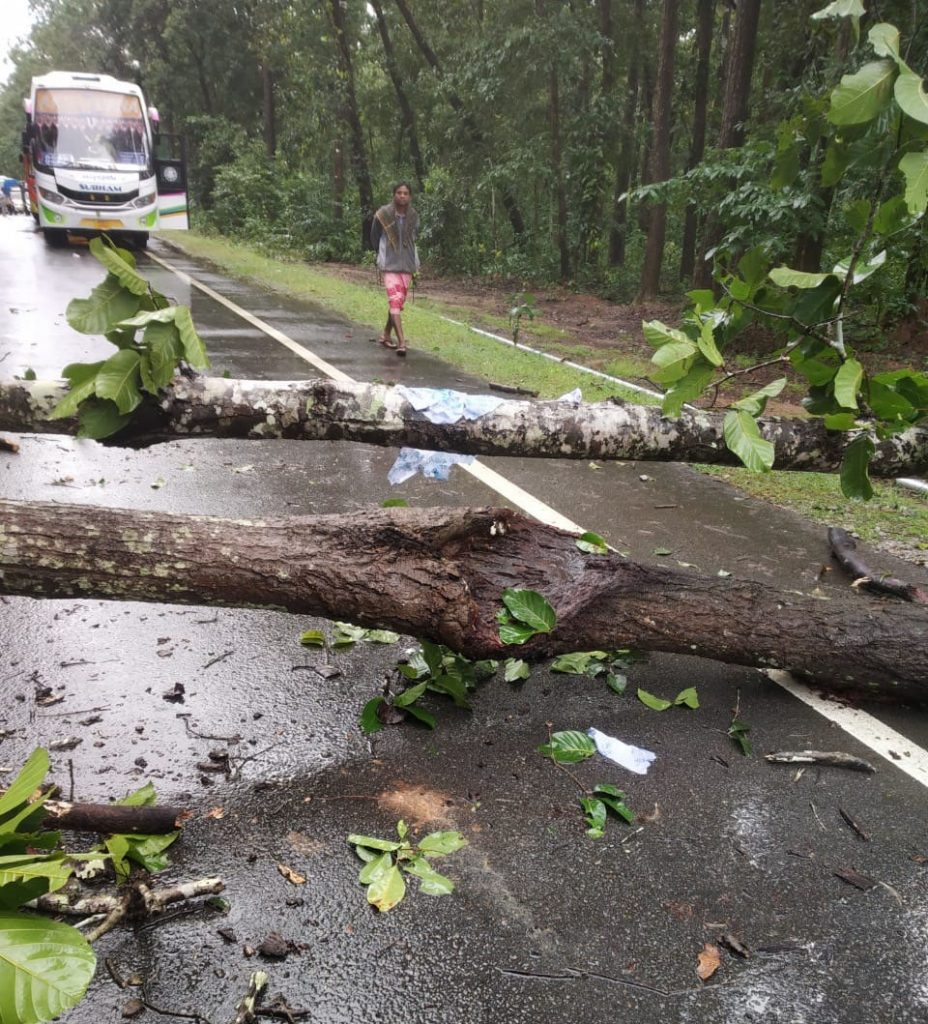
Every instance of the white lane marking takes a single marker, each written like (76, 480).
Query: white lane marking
(879, 737)
(863, 727)
(294, 346)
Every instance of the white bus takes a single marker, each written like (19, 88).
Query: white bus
(92, 160)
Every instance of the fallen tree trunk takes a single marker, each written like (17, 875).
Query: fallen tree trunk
(111, 818)
(439, 574)
(325, 410)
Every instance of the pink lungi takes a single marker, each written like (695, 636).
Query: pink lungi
(397, 286)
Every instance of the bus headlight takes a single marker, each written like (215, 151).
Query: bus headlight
(141, 201)
(52, 197)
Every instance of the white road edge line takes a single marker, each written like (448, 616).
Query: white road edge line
(868, 730)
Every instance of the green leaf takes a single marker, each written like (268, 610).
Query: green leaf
(395, 503)
(910, 94)
(531, 608)
(45, 968)
(516, 633)
(387, 889)
(756, 403)
(663, 552)
(410, 695)
(373, 843)
(83, 381)
(568, 747)
(738, 731)
(841, 9)
(381, 636)
(836, 162)
(118, 380)
(674, 352)
(375, 866)
(847, 383)
(595, 813)
(688, 698)
(425, 717)
(592, 543)
(51, 869)
(707, 345)
(162, 343)
(515, 669)
(432, 883)
(100, 418)
(440, 844)
(660, 335)
(863, 95)
(109, 304)
(655, 703)
(840, 421)
(27, 781)
(884, 39)
(855, 477)
(121, 265)
(616, 682)
(577, 662)
(369, 721)
(786, 277)
(144, 796)
(688, 387)
(863, 269)
(312, 638)
(148, 850)
(194, 349)
(743, 438)
(614, 799)
(914, 167)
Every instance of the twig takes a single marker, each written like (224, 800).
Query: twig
(512, 389)
(206, 736)
(832, 758)
(854, 825)
(245, 1011)
(71, 777)
(817, 818)
(844, 548)
(149, 1005)
(217, 659)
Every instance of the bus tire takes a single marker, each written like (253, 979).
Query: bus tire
(55, 237)
(140, 240)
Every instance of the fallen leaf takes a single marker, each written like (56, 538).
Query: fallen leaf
(216, 812)
(708, 962)
(292, 876)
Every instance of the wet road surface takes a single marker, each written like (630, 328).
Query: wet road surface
(545, 923)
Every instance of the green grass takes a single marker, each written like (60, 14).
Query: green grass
(892, 514)
(425, 330)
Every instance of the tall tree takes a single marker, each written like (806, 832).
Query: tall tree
(353, 116)
(660, 151)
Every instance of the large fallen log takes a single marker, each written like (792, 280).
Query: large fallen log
(325, 410)
(439, 574)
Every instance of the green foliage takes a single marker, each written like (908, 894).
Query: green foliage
(738, 731)
(592, 544)
(386, 861)
(604, 797)
(523, 306)
(104, 394)
(568, 747)
(526, 614)
(685, 698)
(612, 665)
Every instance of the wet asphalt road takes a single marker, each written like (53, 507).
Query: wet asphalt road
(545, 924)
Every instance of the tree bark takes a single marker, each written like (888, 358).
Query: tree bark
(269, 110)
(625, 159)
(439, 574)
(111, 818)
(660, 153)
(326, 410)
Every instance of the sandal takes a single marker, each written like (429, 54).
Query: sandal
(388, 342)
(400, 351)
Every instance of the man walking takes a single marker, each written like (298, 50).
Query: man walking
(393, 236)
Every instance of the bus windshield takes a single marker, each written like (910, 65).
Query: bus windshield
(84, 128)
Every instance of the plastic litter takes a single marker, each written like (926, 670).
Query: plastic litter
(443, 405)
(432, 465)
(635, 759)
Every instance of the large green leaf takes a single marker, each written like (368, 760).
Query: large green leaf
(707, 345)
(743, 438)
(861, 96)
(786, 277)
(440, 844)
(914, 167)
(121, 267)
(118, 380)
(431, 882)
(756, 402)
(52, 869)
(653, 702)
(100, 418)
(45, 968)
(690, 385)
(568, 747)
(841, 9)
(659, 334)
(26, 782)
(386, 888)
(162, 344)
(884, 39)
(855, 476)
(531, 608)
(194, 349)
(910, 94)
(144, 796)
(516, 633)
(847, 383)
(109, 304)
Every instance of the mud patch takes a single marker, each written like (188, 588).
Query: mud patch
(417, 805)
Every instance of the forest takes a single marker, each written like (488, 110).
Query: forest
(627, 147)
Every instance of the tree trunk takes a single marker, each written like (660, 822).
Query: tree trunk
(625, 159)
(359, 157)
(326, 410)
(739, 62)
(660, 153)
(705, 16)
(270, 118)
(406, 111)
(557, 170)
(439, 574)
(457, 104)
